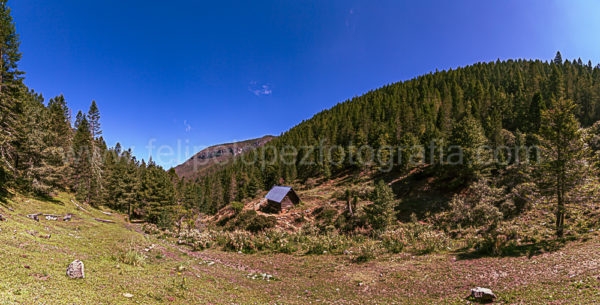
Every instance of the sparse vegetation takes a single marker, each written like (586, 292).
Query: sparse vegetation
(133, 258)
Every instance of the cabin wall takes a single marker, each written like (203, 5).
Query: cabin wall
(286, 203)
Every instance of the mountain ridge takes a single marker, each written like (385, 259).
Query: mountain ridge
(202, 161)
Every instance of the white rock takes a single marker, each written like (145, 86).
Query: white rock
(76, 270)
(482, 294)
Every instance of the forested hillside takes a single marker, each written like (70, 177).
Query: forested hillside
(511, 104)
(496, 104)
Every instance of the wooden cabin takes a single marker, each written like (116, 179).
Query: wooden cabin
(280, 198)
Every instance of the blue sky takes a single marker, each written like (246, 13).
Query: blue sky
(188, 74)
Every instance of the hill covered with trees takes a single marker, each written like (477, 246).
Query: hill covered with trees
(384, 133)
(503, 104)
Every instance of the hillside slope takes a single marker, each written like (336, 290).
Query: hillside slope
(500, 103)
(32, 269)
(202, 161)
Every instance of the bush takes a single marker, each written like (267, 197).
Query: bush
(196, 239)
(394, 241)
(238, 241)
(431, 241)
(478, 208)
(237, 207)
(366, 252)
(260, 223)
(325, 243)
(150, 228)
(327, 215)
(133, 258)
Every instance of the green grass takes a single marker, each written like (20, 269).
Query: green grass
(32, 269)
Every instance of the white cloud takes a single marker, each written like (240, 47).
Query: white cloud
(258, 90)
(188, 126)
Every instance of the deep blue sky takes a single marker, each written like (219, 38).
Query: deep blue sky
(208, 72)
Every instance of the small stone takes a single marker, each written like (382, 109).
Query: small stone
(128, 295)
(482, 294)
(76, 270)
(360, 284)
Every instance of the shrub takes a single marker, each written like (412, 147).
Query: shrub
(327, 215)
(237, 207)
(238, 241)
(133, 258)
(260, 223)
(150, 228)
(431, 241)
(394, 241)
(330, 242)
(196, 239)
(479, 208)
(366, 252)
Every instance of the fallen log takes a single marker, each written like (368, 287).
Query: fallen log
(35, 216)
(75, 203)
(106, 213)
(103, 220)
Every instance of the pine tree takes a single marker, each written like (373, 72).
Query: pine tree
(10, 83)
(564, 154)
(82, 160)
(558, 59)
(535, 112)
(58, 142)
(381, 212)
(93, 117)
(467, 141)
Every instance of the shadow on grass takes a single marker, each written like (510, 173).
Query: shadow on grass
(4, 196)
(529, 250)
(47, 198)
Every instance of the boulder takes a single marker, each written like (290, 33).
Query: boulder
(2, 218)
(67, 217)
(482, 294)
(75, 270)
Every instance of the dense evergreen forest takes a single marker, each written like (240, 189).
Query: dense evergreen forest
(497, 103)
(43, 150)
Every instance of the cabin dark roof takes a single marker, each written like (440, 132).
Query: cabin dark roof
(277, 193)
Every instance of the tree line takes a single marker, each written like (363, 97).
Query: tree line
(43, 150)
(512, 103)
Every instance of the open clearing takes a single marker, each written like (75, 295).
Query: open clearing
(32, 269)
